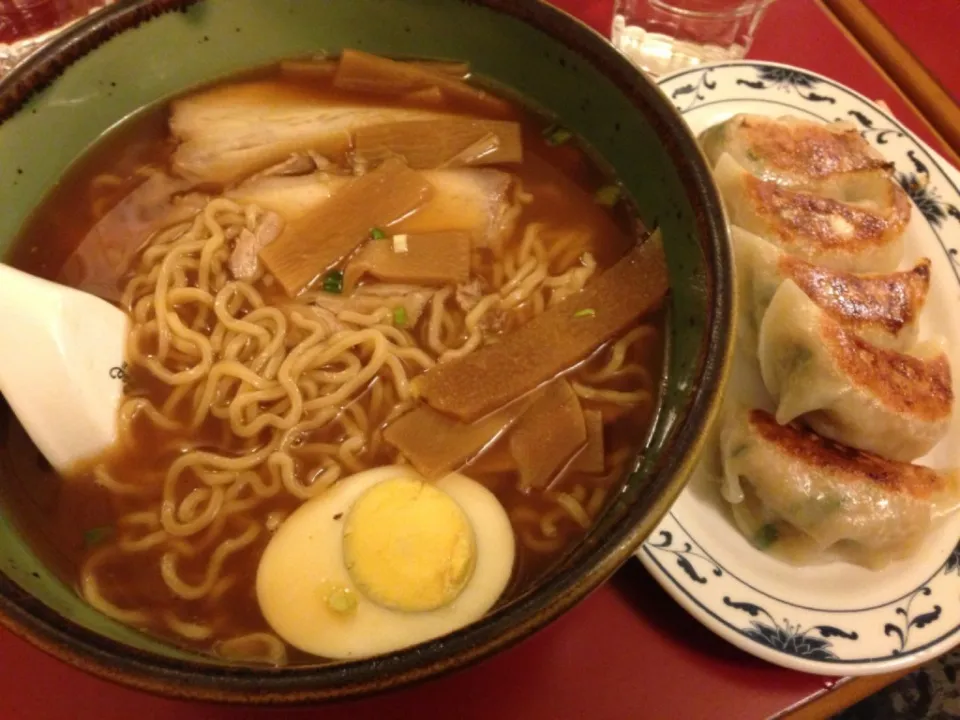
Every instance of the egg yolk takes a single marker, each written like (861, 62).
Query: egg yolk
(408, 546)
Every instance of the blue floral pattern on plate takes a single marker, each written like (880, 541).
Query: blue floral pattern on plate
(897, 625)
(791, 639)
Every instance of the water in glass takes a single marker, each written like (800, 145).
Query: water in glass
(666, 35)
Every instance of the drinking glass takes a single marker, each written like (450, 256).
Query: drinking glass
(666, 35)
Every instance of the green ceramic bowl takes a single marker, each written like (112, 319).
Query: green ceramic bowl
(141, 51)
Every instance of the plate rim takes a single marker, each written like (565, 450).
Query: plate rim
(646, 552)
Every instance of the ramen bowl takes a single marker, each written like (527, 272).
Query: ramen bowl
(136, 54)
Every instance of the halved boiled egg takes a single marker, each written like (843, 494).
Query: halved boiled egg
(385, 560)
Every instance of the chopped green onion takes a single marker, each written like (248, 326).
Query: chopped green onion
(333, 282)
(95, 536)
(557, 135)
(766, 536)
(377, 234)
(342, 601)
(585, 312)
(607, 196)
(400, 316)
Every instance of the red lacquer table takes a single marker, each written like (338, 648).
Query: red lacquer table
(627, 651)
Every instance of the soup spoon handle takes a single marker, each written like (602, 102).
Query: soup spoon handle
(61, 365)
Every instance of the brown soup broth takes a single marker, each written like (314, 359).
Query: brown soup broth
(67, 519)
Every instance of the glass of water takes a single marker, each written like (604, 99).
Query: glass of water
(666, 35)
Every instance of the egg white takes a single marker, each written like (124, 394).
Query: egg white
(305, 557)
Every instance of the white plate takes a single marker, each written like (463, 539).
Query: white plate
(834, 619)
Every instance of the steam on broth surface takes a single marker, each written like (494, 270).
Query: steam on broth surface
(346, 280)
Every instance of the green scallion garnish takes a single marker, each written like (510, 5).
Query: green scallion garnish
(557, 135)
(400, 316)
(333, 282)
(607, 196)
(585, 312)
(95, 536)
(766, 536)
(342, 601)
(377, 234)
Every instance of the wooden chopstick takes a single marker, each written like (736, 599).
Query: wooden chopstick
(902, 66)
(847, 691)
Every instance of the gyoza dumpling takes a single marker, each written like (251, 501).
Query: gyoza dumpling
(792, 151)
(863, 235)
(796, 494)
(882, 401)
(882, 308)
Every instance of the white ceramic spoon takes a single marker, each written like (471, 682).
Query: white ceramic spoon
(61, 365)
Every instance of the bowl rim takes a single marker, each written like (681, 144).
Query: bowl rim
(28, 618)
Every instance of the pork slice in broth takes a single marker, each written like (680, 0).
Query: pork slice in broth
(291, 197)
(107, 249)
(243, 260)
(298, 163)
(318, 240)
(231, 132)
(478, 202)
